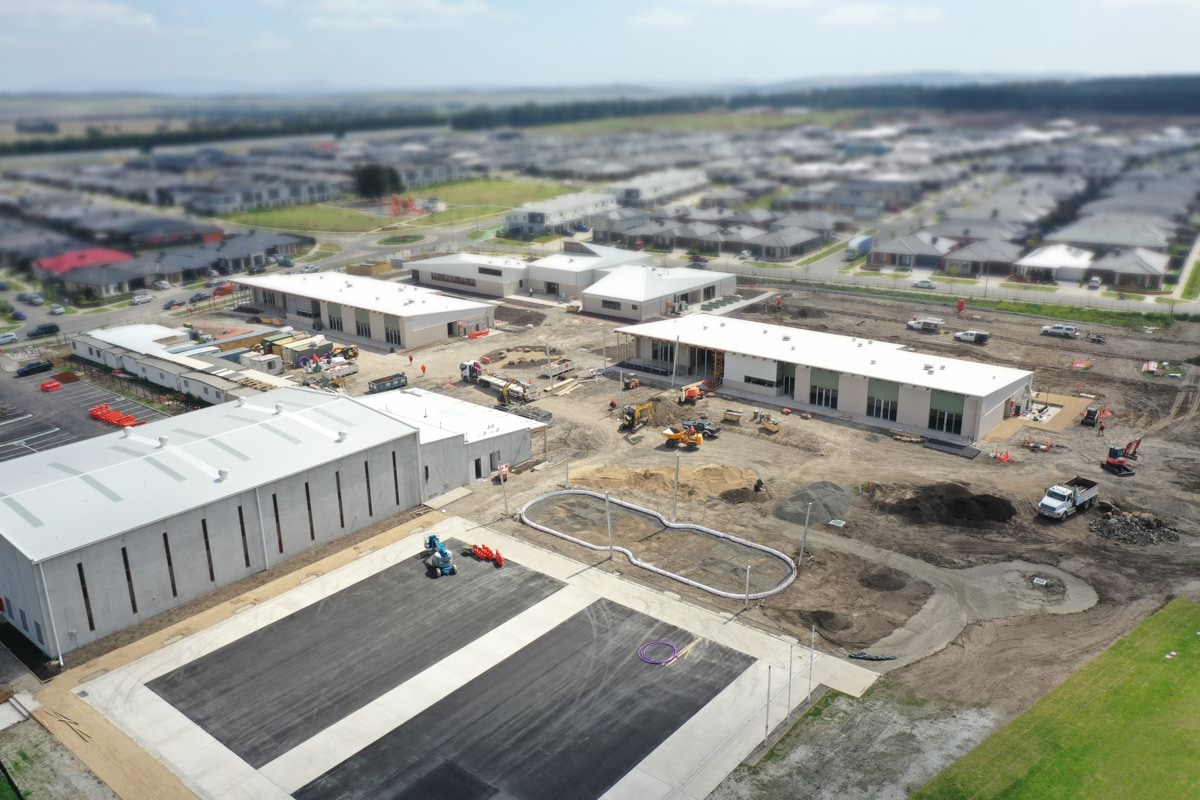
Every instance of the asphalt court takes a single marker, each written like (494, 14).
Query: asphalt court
(567, 716)
(23, 432)
(267, 692)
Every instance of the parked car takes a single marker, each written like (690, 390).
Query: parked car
(200, 296)
(45, 329)
(8, 338)
(56, 310)
(223, 290)
(18, 315)
(1094, 283)
(138, 299)
(212, 273)
(1060, 330)
(284, 262)
(162, 285)
(36, 300)
(257, 269)
(23, 297)
(310, 269)
(214, 282)
(3, 286)
(924, 284)
(581, 228)
(705, 427)
(744, 254)
(171, 305)
(698, 259)
(34, 367)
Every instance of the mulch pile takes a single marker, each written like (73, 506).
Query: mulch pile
(952, 504)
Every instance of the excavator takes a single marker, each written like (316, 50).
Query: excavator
(1118, 459)
(635, 416)
(438, 559)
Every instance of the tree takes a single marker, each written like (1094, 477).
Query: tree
(373, 181)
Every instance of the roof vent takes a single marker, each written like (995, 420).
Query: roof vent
(162, 442)
(787, 338)
(128, 431)
(241, 401)
(278, 409)
(342, 436)
(943, 366)
(222, 474)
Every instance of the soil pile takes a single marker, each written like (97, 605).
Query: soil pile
(951, 504)
(743, 495)
(1133, 527)
(884, 580)
(709, 480)
(519, 316)
(829, 501)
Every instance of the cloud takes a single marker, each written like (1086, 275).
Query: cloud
(354, 15)
(76, 14)
(268, 41)
(1188, 5)
(665, 17)
(881, 14)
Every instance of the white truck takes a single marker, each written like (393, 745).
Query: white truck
(972, 337)
(931, 324)
(1060, 330)
(1064, 499)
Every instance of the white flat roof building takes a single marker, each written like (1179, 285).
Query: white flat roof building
(564, 210)
(645, 292)
(399, 314)
(496, 276)
(861, 379)
(578, 266)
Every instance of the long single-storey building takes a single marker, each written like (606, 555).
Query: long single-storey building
(860, 380)
(495, 276)
(644, 292)
(387, 312)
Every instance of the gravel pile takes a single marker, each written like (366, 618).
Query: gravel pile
(830, 501)
(1133, 527)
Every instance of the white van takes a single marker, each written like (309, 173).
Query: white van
(1094, 283)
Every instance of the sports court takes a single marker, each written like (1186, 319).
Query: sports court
(523, 682)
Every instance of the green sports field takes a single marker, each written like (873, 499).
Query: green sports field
(1124, 727)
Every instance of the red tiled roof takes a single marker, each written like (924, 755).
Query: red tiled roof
(88, 257)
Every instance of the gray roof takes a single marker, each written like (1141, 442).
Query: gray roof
(813, 220)
(100, 276)
(978, 229)
(117, 483)
(988, 250)
(1134, 262)
(754, 216)
(912, 244)
(711, 215)
(786, 237)
(1119, 230)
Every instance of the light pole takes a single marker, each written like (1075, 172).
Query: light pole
(804, 541)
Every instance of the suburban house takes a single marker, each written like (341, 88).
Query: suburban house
(824, 223)
(724, 198)
(1136, 268)
(1106, 232)
(785, 243)
(646, 292)
(559, 214)
(657, 188)
(614, 225)
(918, 249)
(60, 264)
(987, 257)
(970, 231)
(671, 211)
(657, 233)
(759, 217)
(1058, 262)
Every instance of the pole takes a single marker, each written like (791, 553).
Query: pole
(767, 717)
(504, 491)
(791, 658)
(747, 605)
(804, 541)
(812, 657)
(675, 502)
(674, 361)
(567, 476)
(606, 351)
(608, 516)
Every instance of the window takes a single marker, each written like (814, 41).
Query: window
(268, 298)
(662, 352)
(881, 409)
(212, 576)
(490, 271)
(367, 476)
(335, 322)
(37, 630)
(87, 602)
(444, 278)
(278, 524)
(129, 580)
(170, 566)
(945, 421)
(612, 305)
(337, 480)
(312, 529)
(363, 329)
(391, 335)
(825, 398)
(24, 622)
(245, 544)
(634, 306)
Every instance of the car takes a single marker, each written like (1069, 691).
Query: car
(257, 269)
(36, 300)
(705, 427)
(310, 269)
(581, 228)
(1060, 330)
(162, 285)
(56, 310)
(268, 260)
(45, 329)
(223, 290)
(200, 296)
(1094, 283)
(212, 273)
(138, 299)
(23, 297)
(924, 284)
(8, 338)
(284, 262)
(173, 304)
(3, 286)
(214, 282)
(18, 315)
(34, 367)
(744, 254)
(698, 259)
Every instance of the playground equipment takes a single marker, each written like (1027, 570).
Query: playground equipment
(677, 435)
(635, 416)
(438, 559)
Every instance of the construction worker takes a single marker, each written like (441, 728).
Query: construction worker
(422, 370)
(410, 359)
(1100, 429)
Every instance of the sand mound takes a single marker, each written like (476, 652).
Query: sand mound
(950, 504)
(709, 480)
(830, 501)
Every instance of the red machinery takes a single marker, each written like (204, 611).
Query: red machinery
(1118, 463)
(395, 206)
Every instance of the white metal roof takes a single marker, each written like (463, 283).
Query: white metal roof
(438, 415)
(142, 338)
(851, 355)
(592, 257)
(639, 284)
(60, 500)
(372, 294)
(468, 263)
(1057, 255)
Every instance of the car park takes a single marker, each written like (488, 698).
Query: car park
(8, 338)
(34, 367)
(56, 310)
(138, 299)
(45, 329)
(924, 284)
(162, 285)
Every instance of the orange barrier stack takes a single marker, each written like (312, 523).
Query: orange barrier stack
(105, 413)
(51, 386)
(485, 553)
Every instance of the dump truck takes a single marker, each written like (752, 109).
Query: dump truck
(1064, 499)
(678, 435)
(558, 367)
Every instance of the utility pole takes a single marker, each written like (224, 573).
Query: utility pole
(608, 516)
(747, 604)
(675, 501)
(804, 541)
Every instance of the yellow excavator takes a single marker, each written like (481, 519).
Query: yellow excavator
(635, 416)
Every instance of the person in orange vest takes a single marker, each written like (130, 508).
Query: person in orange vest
(1101, 430)
(410, 359)
(422, 370)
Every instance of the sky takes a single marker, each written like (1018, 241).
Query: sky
(197, 46)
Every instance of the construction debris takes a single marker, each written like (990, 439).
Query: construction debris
(1133, 527)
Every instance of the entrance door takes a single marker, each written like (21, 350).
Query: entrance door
(552, 289)
(479, 468)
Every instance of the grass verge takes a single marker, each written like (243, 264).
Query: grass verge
(1123, 726)
(1124, 296)
(324, 250)
(1191, 290)
(1029, 287)
(850, 266)
(828, 251)
(310, 218)
(453, 216)
(493, 193)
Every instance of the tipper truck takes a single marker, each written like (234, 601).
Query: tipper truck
(1064, 499)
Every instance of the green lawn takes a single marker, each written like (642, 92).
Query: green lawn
(826, 253)
(1124, 726)
(493, 193)
(6, 790)
(407, 238)
(323, 251)
(770, 264)
(1192, 290)
(481, 234)
(509, 242)
(456, 216)
(766, 200)
(951, 279)
(311, 218)
(850, 266)
(1029, 287)
(1124, 295)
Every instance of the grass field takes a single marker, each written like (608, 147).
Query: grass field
(1124, 726)
(1029, 287)
(407, 238)
(1191, 290)
(457, 216)
(493, 193)
(324, 250)
(310, 218)
(713, 120)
